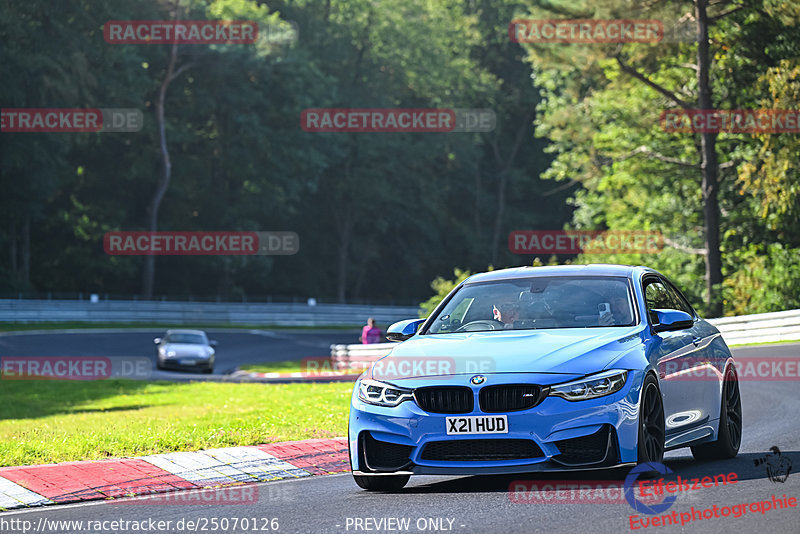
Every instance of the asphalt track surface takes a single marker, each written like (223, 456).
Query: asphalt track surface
(771, 411)
(234, 348)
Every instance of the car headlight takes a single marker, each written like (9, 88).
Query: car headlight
(382, 394)
(591, 387)
(171, 353)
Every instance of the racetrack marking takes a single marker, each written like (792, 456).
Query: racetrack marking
(225, 466)
(15, 496)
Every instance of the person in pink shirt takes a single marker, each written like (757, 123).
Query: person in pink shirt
(371, 333)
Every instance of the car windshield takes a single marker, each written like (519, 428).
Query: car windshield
(185, 338)
(534, 303)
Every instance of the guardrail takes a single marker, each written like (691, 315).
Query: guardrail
(759, 328)
(180, 313)
(356, 357)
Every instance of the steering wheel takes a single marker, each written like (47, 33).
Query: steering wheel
(482, 324)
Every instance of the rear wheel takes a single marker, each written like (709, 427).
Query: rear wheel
(729, 437)
(381, 482)
(651, 423)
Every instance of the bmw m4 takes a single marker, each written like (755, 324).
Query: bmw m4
(545, 369)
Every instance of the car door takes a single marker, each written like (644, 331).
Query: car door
(676, 360)
(706, 361)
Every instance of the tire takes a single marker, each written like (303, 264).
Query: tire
(381, 482)
(729, 437)
(650, 446)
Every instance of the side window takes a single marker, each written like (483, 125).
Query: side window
(679, 300)
(657, 296)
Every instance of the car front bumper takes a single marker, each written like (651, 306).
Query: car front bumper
(178, 362)
(588, 434)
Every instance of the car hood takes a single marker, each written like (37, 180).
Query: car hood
(568, 351)
(187, 349)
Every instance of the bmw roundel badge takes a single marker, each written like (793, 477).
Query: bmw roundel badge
(478, 380)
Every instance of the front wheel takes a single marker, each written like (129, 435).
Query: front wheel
(729, 437)
(381, 482)
(651, 423)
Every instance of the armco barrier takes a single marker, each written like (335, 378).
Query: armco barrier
(178, 313)
(760, 328)
(357, 356)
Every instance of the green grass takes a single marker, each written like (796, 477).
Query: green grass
(58, 421)
(13, 327)
(292, 366)
(288, 366)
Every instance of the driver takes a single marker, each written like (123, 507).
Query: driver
(620, 311)
(506, 312)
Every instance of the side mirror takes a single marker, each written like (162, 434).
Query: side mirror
(671, 320)
(157, 340)
(402, 330)
(212, 342)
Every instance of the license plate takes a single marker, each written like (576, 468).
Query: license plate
(187, 362)
(477, 424)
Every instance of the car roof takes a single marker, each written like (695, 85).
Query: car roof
(593, 269)
(200, 332)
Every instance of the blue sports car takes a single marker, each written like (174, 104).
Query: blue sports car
(545, 369)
